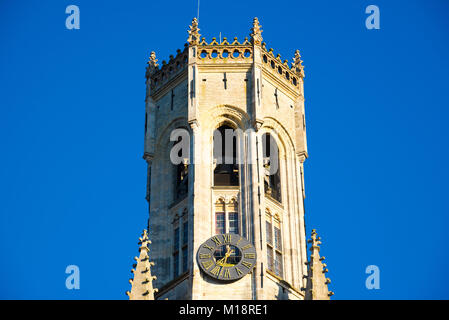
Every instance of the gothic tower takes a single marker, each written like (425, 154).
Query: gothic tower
(225, 144)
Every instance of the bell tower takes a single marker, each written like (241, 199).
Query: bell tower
(225, 144)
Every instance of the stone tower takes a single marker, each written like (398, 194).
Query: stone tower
(225, 143)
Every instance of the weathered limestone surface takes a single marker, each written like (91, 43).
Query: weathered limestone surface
(244, 85)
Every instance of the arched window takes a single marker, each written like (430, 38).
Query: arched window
(272, 178)
(226, 171)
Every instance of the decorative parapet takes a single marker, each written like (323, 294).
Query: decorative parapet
(175, 66)
(226, 52)
(280, 68)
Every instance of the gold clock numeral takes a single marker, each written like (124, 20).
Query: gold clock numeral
(207, 264)
(216, 240)
(240, 239)
(247, 264)
(239, 272)
(249, 255)
(226, 274)
(247, 247)
(226, 238)
(205, 255)
(208, 247)
(216, 271)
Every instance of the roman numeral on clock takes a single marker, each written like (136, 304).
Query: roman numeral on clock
(239, 272)
(216, 271)
(226, 274)
(249, 255)
(207, 264)
(247, 264)
(205, 255)
(226, 238)
(240, 239)
(216, 240)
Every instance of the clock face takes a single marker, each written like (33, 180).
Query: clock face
(227, 257)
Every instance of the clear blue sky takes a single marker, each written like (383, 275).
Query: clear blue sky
(72, 177)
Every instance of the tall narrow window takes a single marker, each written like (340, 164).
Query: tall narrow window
(272, 179)
(270, 258)
(185, 232)
(146, 122)
(232, 210)
(233, 222)
(278, 265)
(220, 222)
(176, 251)
(274, 245)
(269, 236)
(176, 240)
(175, 264)
(277, 239)
(185, 236)
(269, 233)
(185, 259)
(185, 241)
(181, 175)
(226, 171)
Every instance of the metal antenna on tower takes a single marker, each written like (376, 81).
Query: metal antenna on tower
(198, 11)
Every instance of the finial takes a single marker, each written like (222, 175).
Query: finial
(142, 281)
(152, 64)
(317, 283)
(297, 64)
(315, 241)
(143, 240)
(256, 32)
(194, 35)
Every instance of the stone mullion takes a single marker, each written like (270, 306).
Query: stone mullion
(302, 228)
(294, 245)
(285, 227)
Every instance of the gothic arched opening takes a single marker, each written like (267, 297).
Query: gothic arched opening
(272, 176)
(181, 175)
(226, 170)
